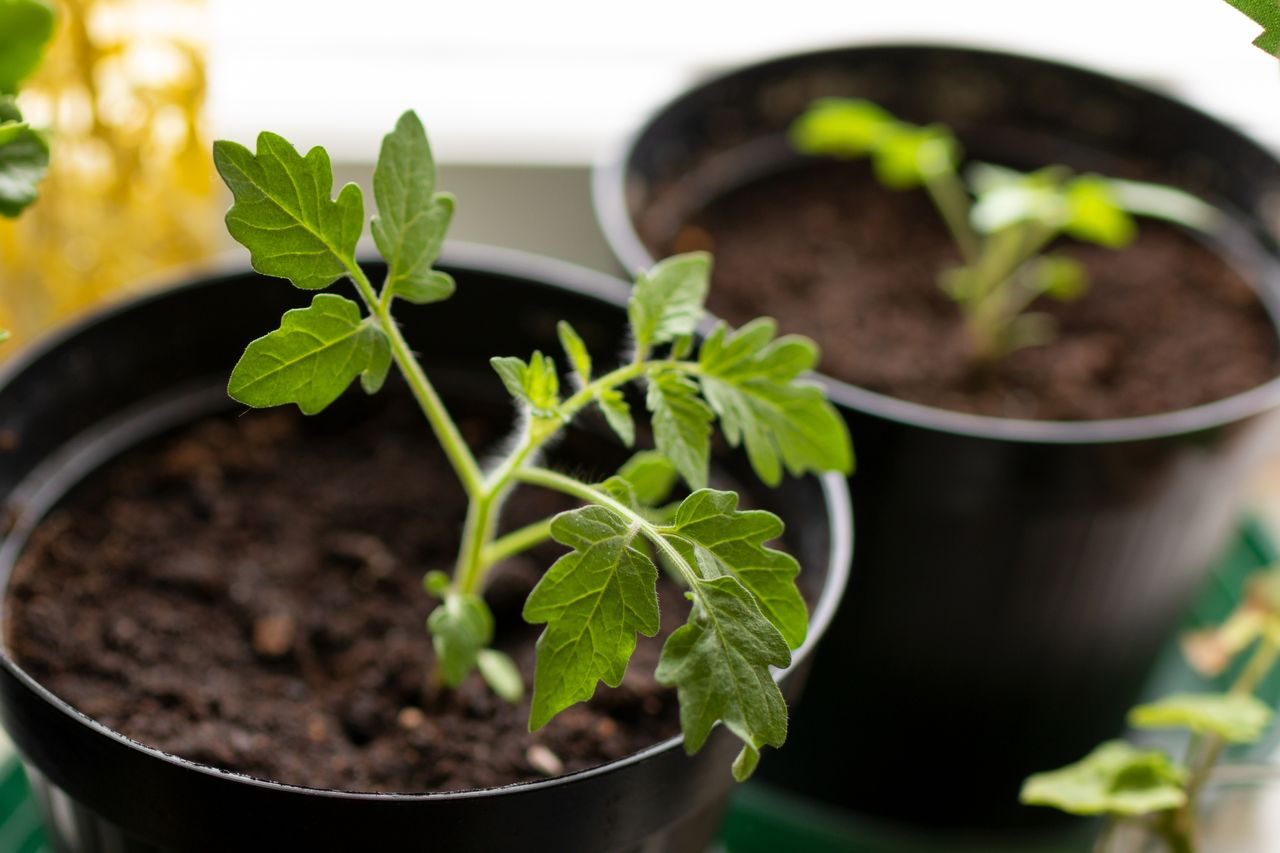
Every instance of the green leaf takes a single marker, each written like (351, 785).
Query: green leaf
(681, 424)
(500, 673)
(434, 286)
(575, 350)
(651, 475)
(594, 600)
(4, 335)
(312, 358)
(1235, 717)
(1267, 14)
(911, 156)
(1095, 214)
(536, 384)
(1005, 198)
(24, 160)
(841, 127)
(11, 130)
(373, 377)
(710, 532)
(25, 29)
(668, 300)
(1058, 277)
(1116, 778)
(461, 626)
(719, 663)
(752, 383)
(412, 217)
(283, 213)
(436, 583)
(617, 413)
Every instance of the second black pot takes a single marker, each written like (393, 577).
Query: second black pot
(1014, 579)
(134, 371)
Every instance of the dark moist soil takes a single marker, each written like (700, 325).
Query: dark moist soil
(247, 594)
(1165, 325)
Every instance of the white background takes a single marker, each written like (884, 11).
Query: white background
(551, 82)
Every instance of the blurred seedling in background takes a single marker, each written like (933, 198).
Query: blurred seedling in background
(747, 614)
(1128, 784)
(1003, 222)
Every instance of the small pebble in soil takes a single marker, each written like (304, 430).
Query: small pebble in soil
(544, 760)
(410, 718)
(317, 731)
(273, 635)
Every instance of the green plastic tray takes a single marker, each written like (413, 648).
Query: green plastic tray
(762, 819)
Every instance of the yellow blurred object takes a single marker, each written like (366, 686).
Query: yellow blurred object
(130, 187)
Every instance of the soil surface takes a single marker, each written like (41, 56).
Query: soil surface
(247, 594)
(1165, 324)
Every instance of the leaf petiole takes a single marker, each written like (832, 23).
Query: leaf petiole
(545, 477)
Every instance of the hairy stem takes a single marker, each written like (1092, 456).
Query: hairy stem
(476, 554)
(951, 200)
(446, 431)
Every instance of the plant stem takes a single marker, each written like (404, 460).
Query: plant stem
(996, 303)
(951, 200)
(451, 441)
(1264, 657)
(476, 554)
(516, 542)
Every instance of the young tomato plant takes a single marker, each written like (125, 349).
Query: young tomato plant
(1002, 221)
(747, 614)
(1128, 784)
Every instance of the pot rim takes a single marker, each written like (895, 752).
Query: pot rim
(464, 258)
(609, 197)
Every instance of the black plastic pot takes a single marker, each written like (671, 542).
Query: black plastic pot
(1015, 579)
(155, 363)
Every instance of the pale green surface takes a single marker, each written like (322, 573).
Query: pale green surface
(1116, 778)
(1237, 718)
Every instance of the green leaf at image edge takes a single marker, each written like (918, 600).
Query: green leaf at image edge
(26, 26)
(1265, 13)
(24, 161)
